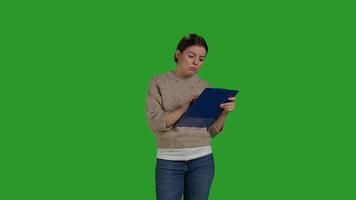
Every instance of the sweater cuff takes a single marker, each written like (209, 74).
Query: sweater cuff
(162, 124)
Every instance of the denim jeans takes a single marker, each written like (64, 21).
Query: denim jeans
(192, 178)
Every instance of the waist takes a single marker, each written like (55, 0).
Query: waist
(183, 153)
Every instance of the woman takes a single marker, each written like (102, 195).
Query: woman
(185, 163)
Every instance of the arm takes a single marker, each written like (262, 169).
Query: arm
(218, 124)
(172, 117)
(160, 120)
(154, 111)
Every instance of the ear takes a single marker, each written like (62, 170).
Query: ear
(178, 53)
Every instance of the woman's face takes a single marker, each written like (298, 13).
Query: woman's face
(190, 60)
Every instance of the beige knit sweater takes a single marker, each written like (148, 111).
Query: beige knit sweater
(166, 93)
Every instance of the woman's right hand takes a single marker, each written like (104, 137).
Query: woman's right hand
(173, 116)
(190, 100)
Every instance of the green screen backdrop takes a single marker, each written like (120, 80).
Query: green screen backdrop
(74, 77)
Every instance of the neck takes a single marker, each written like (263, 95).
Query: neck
(180, 74)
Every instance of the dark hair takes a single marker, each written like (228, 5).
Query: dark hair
(190, 40)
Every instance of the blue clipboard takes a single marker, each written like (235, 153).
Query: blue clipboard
(206, 108)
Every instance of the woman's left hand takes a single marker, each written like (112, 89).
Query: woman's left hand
(229, 106)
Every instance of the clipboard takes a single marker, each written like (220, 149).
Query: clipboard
(206, 108)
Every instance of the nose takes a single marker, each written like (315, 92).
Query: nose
(196, 61)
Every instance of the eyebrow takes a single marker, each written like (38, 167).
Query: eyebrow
(194, 53)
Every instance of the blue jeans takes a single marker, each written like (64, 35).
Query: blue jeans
(192, 178)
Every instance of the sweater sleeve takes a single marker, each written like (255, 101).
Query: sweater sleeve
(156, 115)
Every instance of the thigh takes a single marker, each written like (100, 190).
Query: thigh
(199, 178)
(169, 180)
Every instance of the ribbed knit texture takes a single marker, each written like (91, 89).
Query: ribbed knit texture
(167, 92)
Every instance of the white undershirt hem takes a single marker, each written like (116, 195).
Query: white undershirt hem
(183, 154)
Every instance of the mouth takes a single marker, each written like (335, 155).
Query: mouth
(193, 69)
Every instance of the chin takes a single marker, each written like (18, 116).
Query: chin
(191, 73)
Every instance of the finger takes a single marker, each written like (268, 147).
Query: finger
(224, 107)
(232, 98)
(231, 107)
(224, 104)
(230, 104)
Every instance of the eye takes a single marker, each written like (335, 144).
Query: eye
(201, 59)
(191, 56)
